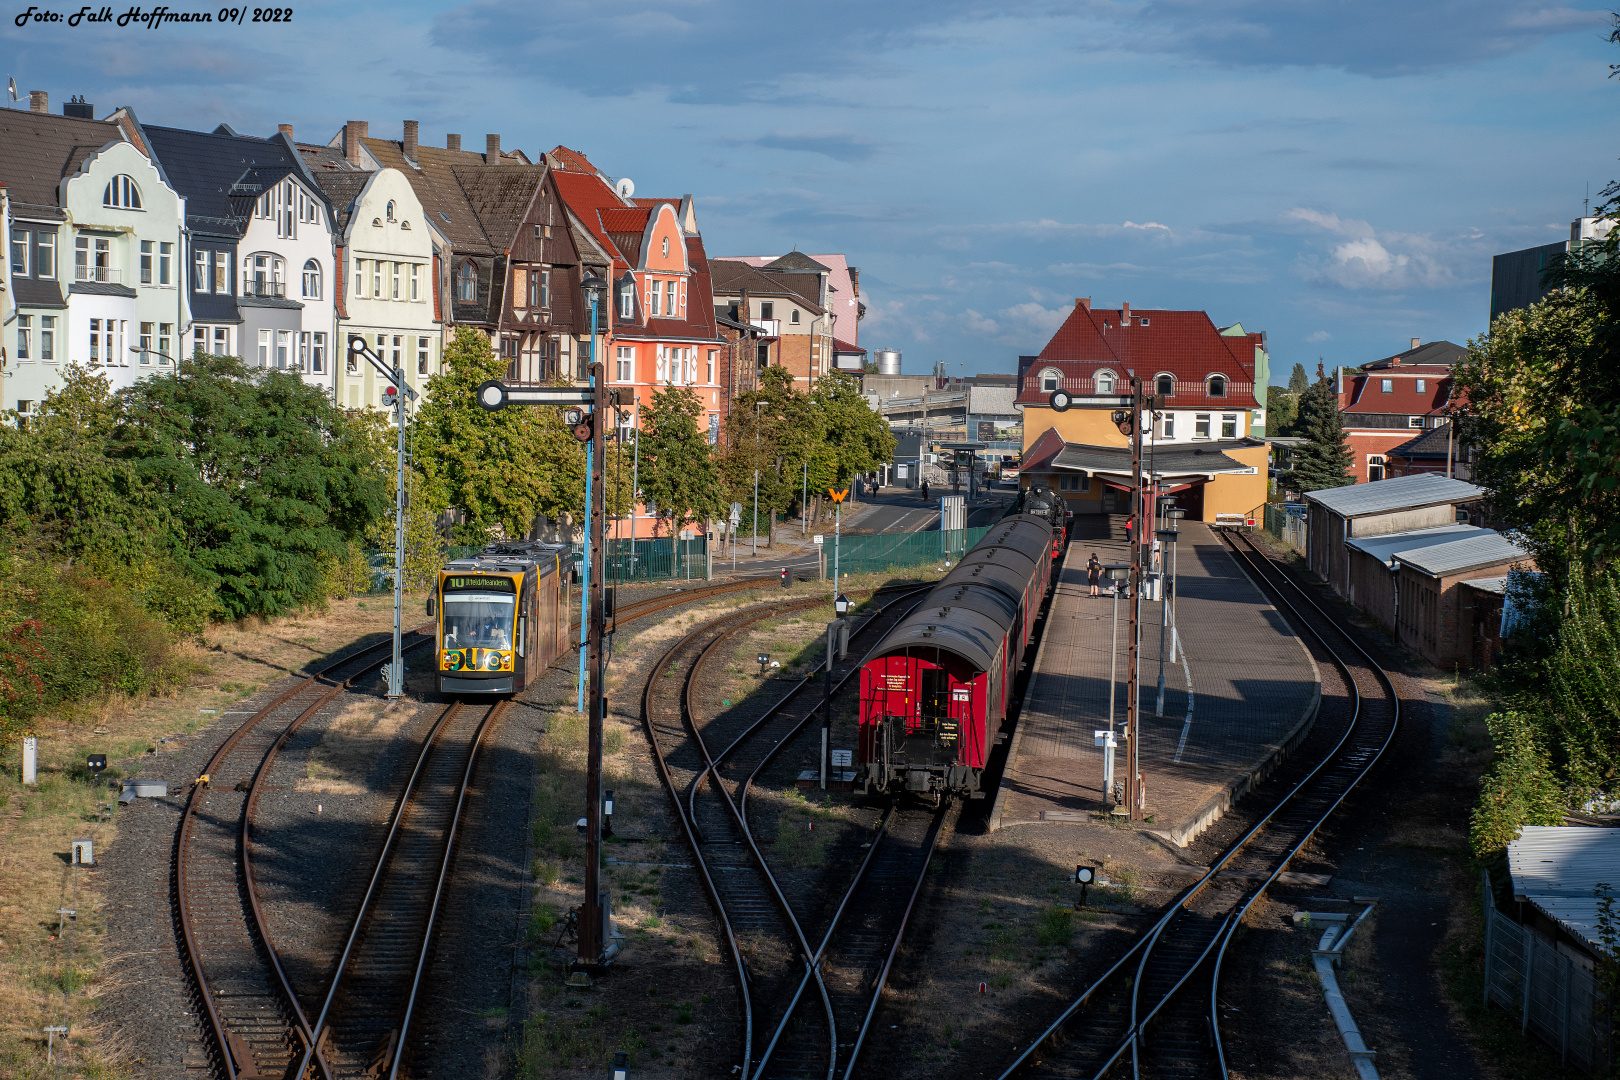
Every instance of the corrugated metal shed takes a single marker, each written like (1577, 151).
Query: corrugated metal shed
(1381, 547)
(1490, 549)
(1497, 585)
(1557, 868)
(1396, 493)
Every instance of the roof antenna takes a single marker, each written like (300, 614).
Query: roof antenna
(1586, 203)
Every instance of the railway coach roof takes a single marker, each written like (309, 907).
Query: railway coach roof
(973, 596)
(969, 634)
(1008, 572)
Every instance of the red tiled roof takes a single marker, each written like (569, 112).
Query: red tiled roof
(625, 219)
(840, 345)
(572, 161)
(1404, 396)
(1153, 341)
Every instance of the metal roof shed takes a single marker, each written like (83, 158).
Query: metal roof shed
(1398, 493)
(1557, 869)
(1400, 504)
(1488, 548)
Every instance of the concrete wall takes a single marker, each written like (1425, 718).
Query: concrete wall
(1403, 521)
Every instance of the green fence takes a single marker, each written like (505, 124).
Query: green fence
(877, 552)
(659, 559)
(1288, 528)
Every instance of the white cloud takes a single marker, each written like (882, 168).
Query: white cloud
(974, 323)
(1320, 335)
(1368, 258)
(1032, 316)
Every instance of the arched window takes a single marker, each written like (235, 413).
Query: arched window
(1051, 379)
(312, 280)
(1165, 385)
(1105, 382)
(122, 192)
(1217, 386)
(390, 209)
(264, 274)
(467, 283)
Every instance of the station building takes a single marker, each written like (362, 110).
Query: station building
(1202, 448)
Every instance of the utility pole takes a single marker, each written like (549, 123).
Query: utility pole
(1133, 673)
(591, 928)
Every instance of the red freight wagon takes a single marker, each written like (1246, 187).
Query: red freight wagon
(935, 691)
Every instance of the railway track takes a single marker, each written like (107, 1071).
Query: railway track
(1153, 1013)
(710, 792)
(364, 1025)
(251, 1011)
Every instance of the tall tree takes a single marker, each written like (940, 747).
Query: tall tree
(1324, 460)
(265, 477)
(774, 433)
(1298, 382)
(679, 474)
(1282, 411)
(854, 435)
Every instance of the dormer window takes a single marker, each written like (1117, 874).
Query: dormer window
(390, 210)
(666, 247)
(122, 193)
(627, 301)
(1165, 385)
(1105, 382)
(467, 283)
(1217, 386)
(1051, 379)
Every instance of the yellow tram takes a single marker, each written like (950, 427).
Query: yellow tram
(502, 617)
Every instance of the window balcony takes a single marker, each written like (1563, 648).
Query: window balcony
(264, 288)
(770, 327)
(98, 273)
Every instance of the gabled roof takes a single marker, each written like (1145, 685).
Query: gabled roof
(38, 149)
(841, 346)
(433, 178)
(1397, 493)
(585, 194)
(566, 160)
(220, 174)
(500, 195)
(1431, 353)
(732, 276)
(343, 189)
(1434, 443)
(796, 261)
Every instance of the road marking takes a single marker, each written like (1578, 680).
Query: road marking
(1186, 671)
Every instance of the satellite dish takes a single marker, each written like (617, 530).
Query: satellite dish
(626, 187)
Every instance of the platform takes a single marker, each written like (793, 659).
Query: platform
(1242, 695)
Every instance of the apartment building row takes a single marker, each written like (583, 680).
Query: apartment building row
(133, 245)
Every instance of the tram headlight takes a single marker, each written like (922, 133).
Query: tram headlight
(492, 661)
(452, 661)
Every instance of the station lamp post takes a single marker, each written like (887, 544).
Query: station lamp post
(1166, 537)
(1119, 574)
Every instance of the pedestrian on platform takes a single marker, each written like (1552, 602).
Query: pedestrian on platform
(1130, 527)
(925, 491)
(1094, 574)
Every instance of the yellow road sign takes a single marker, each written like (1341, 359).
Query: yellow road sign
(838, 496)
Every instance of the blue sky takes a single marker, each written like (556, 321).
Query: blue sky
(1337, 175)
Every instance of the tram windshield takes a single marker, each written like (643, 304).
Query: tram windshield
(478, 613)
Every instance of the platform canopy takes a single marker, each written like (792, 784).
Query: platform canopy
(1175, 464)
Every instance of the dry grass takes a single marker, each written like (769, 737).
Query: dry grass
(50, 980)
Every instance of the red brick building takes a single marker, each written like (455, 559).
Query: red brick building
(1388, 402)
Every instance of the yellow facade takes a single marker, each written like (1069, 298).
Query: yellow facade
(1227, 494)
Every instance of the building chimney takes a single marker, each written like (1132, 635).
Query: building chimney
(452, 142)
(80, 108)
(1416, 342)
(855, 279)
(1083, 302)
(39, 101)
(492, 149)
(353, 132)
(410, 139)
(1124, 313)
(285, 129)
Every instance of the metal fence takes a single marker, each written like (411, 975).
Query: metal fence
(1554, 997)
(1286, 527)
(662, 558)
(876, 552)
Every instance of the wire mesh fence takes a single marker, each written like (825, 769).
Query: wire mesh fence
(1289, 528)
(1552, 994)
(876, 552)
(660, 558)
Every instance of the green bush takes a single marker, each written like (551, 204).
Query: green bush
(1520, 789)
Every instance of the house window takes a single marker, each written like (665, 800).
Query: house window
(655, 299)
(1074, 483)
(467, 283)
(794, 318)
(669, 299)
(421, 356)
(222, 341)
(312, 280)
(146, 343)
(264, 348)
(627, 301)
(416, 291)
(662, 375)
(352, 367)
(283, 348)
(1228, 425)
(1105, 382)
(626, 364)
(376, 279)
(1051, 379)
(545, 288)
(1217, 386)
(1386, 386)
(397, 353)
(713, 354)
(665, 248)
(146, 262)
(714, 428)
(764, 356)
(199, 271)
(1414, 421)
(1375, 467)
(390, 210)
(24, 333)
(359, 278)
(165, 336)
(395, 282)
(47, 338)
(122, 192)
(92, 259)
(1164, 385)
(165, 263)
(1169, 430)
(266, 275)
(19, 254)
(1201, 425)
(222, 272)
(1423, 386)
(95, 341)
(767, 310)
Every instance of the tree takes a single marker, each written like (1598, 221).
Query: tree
(1299, 382)
(679, 474)
(1324, 460)
(264, 476)
(854, 435)
(774, 433)
(1282, 411)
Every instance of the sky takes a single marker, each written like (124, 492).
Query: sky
(1337, 175)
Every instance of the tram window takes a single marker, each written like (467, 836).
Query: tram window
(478, 612)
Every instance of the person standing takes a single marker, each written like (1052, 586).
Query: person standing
(1130, 528)
(1094, 574)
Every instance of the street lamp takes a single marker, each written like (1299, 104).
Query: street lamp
(1117, 572)
(1167, 537)
(593, 911)
(1175, 515)
(841, 605)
